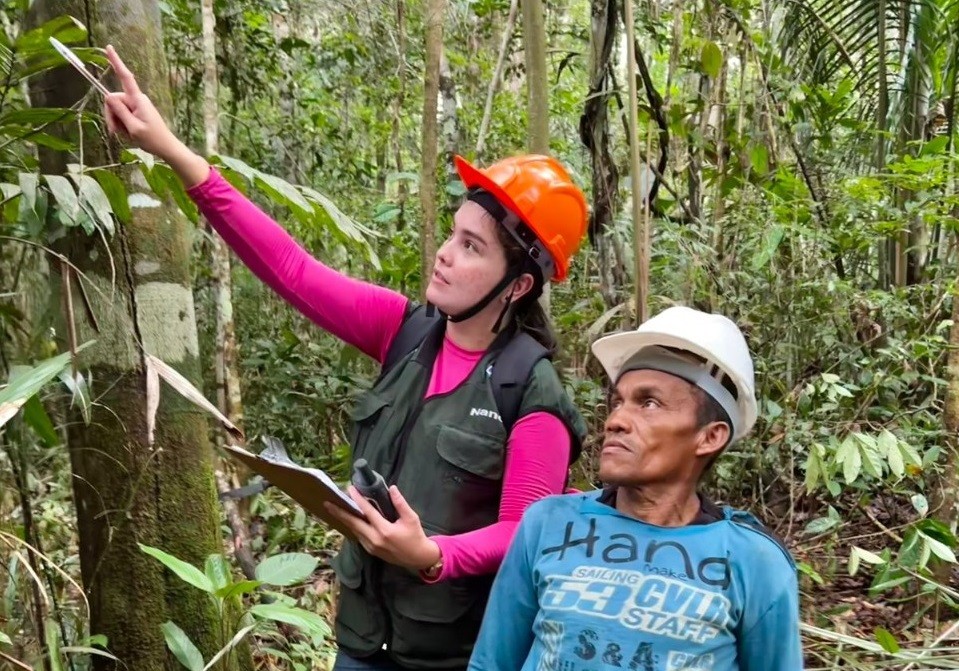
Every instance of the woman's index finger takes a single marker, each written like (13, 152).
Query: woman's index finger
(127, 80)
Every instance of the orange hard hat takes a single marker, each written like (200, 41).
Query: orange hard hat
(541, 193)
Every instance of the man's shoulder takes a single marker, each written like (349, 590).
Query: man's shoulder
(756, 534)
(558, 505)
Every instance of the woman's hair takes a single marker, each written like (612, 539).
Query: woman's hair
(527, 312)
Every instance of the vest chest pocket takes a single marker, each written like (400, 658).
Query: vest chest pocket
(370, 415)
(476, 457)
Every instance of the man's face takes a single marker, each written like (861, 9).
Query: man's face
(652, 432)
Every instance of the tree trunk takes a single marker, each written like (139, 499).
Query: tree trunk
(537, 92)
(640, 221)
(946, 493)
(127, 492)
(398, 101)
(435, 13)
(229, 399)
(594, 132)
(497, 77)
(537, 79)
(450, 126)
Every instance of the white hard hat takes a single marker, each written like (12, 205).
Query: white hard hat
(712, 337)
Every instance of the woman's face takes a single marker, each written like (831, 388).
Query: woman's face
(469, 263)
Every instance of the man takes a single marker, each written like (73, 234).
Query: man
(647, 574)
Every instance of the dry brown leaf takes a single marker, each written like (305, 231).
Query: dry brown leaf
(153, 398)
(9, 410)
(191, 393)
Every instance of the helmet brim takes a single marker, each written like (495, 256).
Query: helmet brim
(614, 350)
(473, 178)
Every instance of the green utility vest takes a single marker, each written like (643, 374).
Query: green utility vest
(447, 455)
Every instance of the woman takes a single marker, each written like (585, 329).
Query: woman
(413, 591)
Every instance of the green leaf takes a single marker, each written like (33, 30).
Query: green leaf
(851, 459)
(772, 238)
(889, 446)
(284, 191)
(759, 159)
(66, 198)
(935, 146)
(239, 636)
(37, 418)
(116, 193)
(65, 28)
(304, 619)
(33, 205)
(237, 589)
(29, 183)
(218, 571)
(852, 466)
(857, 555)
(286, 569)
(97, 639)
(920, 503)
(38, 116)
(4, 639)
(144, 157)
(80, 392)
(181, 646)
(96, 202)
(52, 636)
(872, 462)
(28, 383)
(711, 59)
(236, 165)
(10, 191)
(814, 469)
(909, 453)
(186, 572)
(890, 583)
(86, 650)
(175, 188)
(886, 640)
(938, 548)
(808, 570)
(820, 525)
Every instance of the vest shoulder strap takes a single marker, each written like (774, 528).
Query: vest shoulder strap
(511, 369)
(417, 324)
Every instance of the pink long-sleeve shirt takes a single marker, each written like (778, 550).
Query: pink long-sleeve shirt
(325, 296)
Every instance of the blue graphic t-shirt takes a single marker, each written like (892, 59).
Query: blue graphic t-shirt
(586, 588)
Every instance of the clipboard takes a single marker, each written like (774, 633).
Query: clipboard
(309, 487)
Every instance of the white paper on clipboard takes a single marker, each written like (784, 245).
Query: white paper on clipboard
(72, 59)
(310, 487)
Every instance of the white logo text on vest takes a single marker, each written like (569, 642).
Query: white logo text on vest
(483, 412)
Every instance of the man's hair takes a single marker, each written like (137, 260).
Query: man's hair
(708, 411)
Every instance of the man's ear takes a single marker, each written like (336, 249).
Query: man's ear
(521, 286)
(713, 438)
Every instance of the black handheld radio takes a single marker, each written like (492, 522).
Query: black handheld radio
(373, 487)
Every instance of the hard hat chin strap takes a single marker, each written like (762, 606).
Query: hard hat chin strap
(483, 302)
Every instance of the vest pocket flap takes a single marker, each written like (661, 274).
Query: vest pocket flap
(475, 453)
(348, 565)
(368, 406)
(441, 602)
